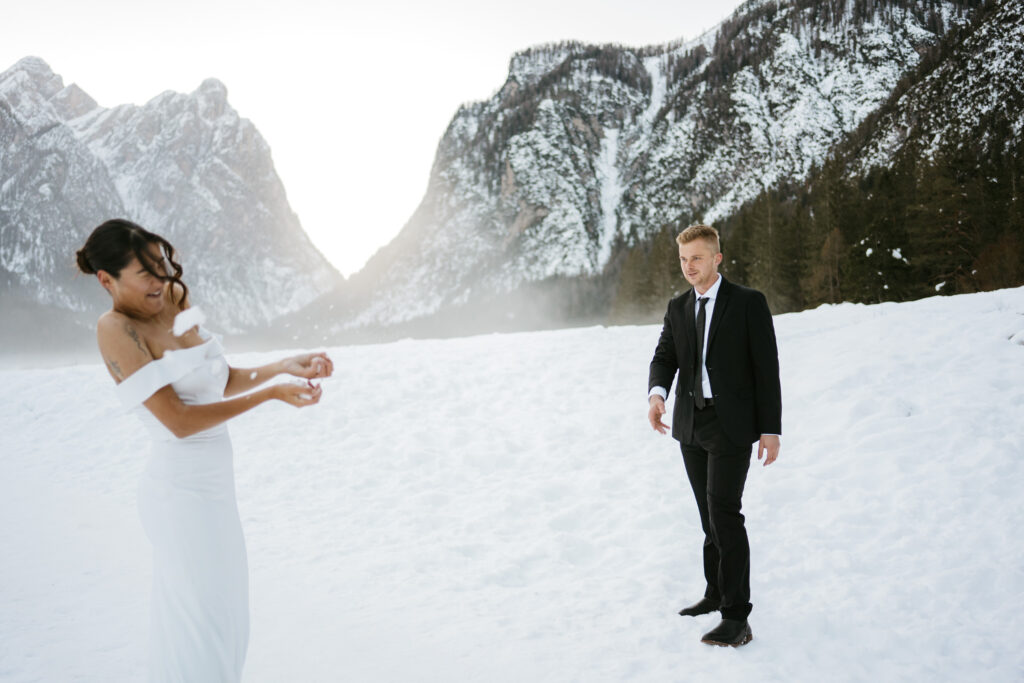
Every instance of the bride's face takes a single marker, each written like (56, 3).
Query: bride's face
(137, 291)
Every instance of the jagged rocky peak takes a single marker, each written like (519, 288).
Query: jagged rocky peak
(185, 166)
(213, 98)
(39, 73)
(27, 88)
(72, 102)
(214, 88)
(208, 102)
(528, 66)
(32, 77)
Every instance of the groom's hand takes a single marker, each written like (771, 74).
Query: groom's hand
(655, 412)
(769, 447)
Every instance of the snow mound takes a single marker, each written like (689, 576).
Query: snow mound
(497, 508)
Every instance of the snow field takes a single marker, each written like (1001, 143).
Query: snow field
(496, 508)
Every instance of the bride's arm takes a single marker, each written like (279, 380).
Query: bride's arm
(125, 352)
(306, 366)
(241, 380)
(185, 419)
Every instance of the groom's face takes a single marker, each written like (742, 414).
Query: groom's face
(699, 263)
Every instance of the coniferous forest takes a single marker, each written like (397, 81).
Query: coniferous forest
(948, 225)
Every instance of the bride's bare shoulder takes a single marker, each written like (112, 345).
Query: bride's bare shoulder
(122, 346)
(110, 325)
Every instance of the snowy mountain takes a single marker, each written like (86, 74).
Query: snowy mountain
(974, 94)
(185, 166)
(923, 197)
(588, 151)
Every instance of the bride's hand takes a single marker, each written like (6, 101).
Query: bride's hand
(309, 365)
(298, 395)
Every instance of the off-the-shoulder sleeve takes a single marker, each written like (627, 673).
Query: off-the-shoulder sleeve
(206, 335)
(156, 374)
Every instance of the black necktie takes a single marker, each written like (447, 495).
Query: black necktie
(698, 373)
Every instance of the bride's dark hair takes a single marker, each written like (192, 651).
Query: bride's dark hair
(112, 245)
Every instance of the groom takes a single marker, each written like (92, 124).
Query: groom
(719, 338)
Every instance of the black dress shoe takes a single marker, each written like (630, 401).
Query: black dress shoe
(734, 632)
(703, 606)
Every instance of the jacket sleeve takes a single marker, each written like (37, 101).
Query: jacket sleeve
(664, 364)
(764, 356)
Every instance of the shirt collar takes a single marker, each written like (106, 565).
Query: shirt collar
(712, 293)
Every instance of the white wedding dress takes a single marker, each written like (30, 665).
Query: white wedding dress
(200, 606)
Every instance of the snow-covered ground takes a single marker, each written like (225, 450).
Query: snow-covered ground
(497, 509)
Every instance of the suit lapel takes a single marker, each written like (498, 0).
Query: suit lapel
(721, 301)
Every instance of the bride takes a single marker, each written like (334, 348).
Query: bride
(176, 381)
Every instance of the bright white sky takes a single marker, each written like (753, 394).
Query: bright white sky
(352, 98)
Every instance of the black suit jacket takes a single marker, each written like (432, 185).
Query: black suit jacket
(742, 362)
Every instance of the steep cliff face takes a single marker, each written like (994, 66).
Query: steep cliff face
(779, 87)
(924, 197)
(975, 93)
(185, 166)
(587, 150)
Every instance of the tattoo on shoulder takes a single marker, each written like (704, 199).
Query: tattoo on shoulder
(115, 369)
(135, 337)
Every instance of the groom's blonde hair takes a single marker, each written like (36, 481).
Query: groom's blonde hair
(700, 232)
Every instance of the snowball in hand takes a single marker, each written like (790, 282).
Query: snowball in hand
(188, 319)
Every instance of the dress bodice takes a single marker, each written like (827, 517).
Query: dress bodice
(197, 374)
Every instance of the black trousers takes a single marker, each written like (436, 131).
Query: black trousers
(717, 470)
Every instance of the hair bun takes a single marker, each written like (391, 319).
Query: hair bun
(83, 263)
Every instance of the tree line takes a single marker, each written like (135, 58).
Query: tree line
(949, 224)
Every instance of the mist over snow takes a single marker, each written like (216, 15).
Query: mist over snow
(496, 508)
